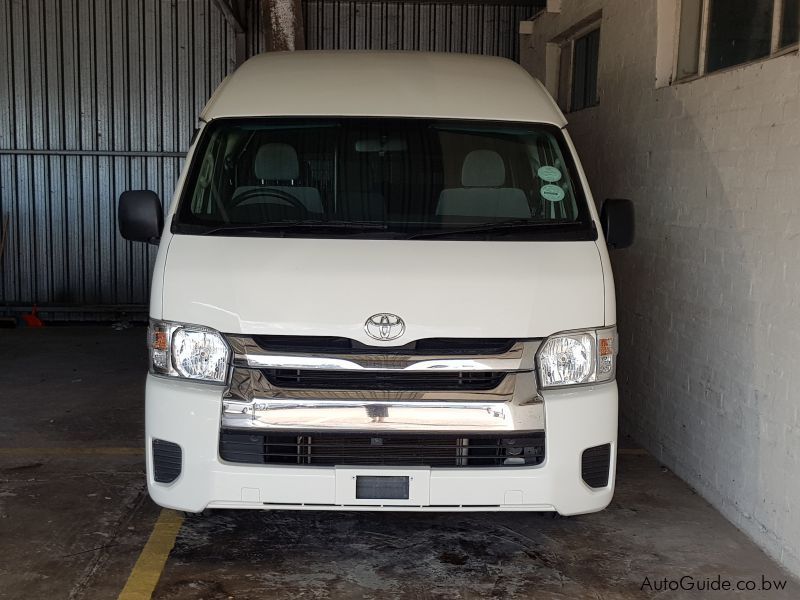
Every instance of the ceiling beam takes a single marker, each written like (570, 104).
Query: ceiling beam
(230, 16)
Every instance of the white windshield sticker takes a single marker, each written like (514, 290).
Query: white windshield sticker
(550, 174)
(552, 193)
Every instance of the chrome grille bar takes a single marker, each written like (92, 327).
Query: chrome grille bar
(370, 415)
(247, 353)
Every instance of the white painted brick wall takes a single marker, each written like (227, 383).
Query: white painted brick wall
(709, 297)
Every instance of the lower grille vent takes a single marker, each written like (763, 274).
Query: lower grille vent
(167, 460)
(331, 449)
(595, 464)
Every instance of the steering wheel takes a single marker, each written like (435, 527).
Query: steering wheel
(292, 200)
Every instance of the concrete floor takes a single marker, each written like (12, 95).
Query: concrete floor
(74, 513)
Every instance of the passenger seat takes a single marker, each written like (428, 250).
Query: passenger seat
(483, 175)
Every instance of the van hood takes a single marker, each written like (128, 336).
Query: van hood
(330, 287)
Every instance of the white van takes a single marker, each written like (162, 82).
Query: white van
(382, 284)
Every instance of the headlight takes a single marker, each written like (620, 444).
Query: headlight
(578, 357)
(187, 351)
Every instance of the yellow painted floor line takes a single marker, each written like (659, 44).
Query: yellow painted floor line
(148, 568)
(70, 452)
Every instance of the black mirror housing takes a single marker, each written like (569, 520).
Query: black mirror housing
(140, 216)
(618, 222)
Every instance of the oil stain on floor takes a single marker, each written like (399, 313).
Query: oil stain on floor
(358, 555)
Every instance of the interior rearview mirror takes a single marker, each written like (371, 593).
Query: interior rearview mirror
(140, 216)
(381, 145)
(617, 221)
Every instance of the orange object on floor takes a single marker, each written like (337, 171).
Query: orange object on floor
(31, 320)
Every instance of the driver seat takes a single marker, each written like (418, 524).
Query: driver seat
(277, 167)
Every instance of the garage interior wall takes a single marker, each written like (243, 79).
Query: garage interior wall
(99, 97)
(708, 309)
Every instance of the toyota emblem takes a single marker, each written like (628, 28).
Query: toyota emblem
(384, 327)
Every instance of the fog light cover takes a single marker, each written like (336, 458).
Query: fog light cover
(523, 451)
(578, 357)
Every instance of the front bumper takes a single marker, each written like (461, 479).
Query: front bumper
(188, 414)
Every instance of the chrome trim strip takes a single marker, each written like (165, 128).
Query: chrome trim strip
(246, 353)
(371, 415)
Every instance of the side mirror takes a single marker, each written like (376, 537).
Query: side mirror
(617, 221)
(140, 216)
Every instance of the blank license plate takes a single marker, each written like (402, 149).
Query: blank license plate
(381, 487)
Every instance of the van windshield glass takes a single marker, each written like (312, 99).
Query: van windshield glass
(383, 178)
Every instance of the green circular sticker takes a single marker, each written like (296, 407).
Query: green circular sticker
(550, 174)
(552, 193)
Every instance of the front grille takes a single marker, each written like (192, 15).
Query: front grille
(167, 460)
(339, 345)
(365, 449)
(595, 464)
(318, 379)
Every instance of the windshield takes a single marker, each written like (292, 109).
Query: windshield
(383, 177)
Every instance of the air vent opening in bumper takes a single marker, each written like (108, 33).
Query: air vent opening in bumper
(167, 461)
(595, 465)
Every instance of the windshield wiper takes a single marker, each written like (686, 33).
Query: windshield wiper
(504, 226)
(297, 225)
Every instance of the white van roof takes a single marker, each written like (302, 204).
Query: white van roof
(383, 83)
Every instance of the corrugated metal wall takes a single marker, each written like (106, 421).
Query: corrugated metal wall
(96, 96)
(100, 96)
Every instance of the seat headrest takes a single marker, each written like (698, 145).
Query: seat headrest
(276, 162)
(483, 168)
